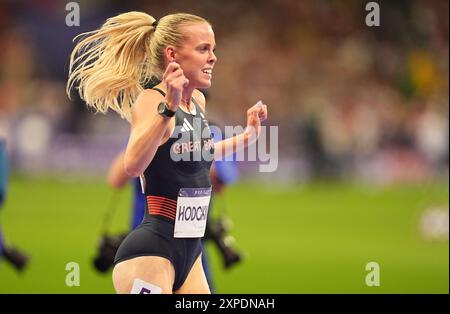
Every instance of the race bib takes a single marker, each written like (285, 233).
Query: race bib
(142, 287)
(192, 212)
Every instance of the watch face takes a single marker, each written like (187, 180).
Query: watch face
(161, 107)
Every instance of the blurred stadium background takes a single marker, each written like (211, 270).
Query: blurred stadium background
(363, 145)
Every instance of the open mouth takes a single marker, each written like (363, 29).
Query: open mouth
(207, 71)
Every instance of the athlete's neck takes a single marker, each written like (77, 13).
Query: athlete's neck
(186, 97)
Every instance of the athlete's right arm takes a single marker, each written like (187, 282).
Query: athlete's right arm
(117, 177)
(147, 130)
(148, 127)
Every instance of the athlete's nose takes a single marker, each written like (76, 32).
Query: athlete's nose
(212, 58)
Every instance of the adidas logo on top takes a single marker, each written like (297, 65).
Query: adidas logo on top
(204, 119)
(186, 126)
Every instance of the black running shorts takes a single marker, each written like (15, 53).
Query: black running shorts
(154, 237)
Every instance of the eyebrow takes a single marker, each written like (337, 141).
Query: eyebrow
(205, 43)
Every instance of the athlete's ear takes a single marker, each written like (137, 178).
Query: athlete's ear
(170, 53)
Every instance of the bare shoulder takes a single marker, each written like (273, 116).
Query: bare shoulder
(149, 97)
(145, 104)
(200, 98)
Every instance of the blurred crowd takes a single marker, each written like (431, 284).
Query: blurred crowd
(349, 99)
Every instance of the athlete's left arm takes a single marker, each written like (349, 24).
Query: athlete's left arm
(255, 115)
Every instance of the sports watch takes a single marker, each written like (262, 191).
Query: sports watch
(163, 109)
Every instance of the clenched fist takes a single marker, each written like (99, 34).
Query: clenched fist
(255, 115)
(175, 82)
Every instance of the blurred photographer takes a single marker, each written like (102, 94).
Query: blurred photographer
(12, 255)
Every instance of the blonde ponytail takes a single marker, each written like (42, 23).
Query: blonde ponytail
(110, 65)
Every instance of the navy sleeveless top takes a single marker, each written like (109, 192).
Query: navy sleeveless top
(183, 161)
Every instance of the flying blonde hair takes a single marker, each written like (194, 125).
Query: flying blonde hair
(109, 66)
